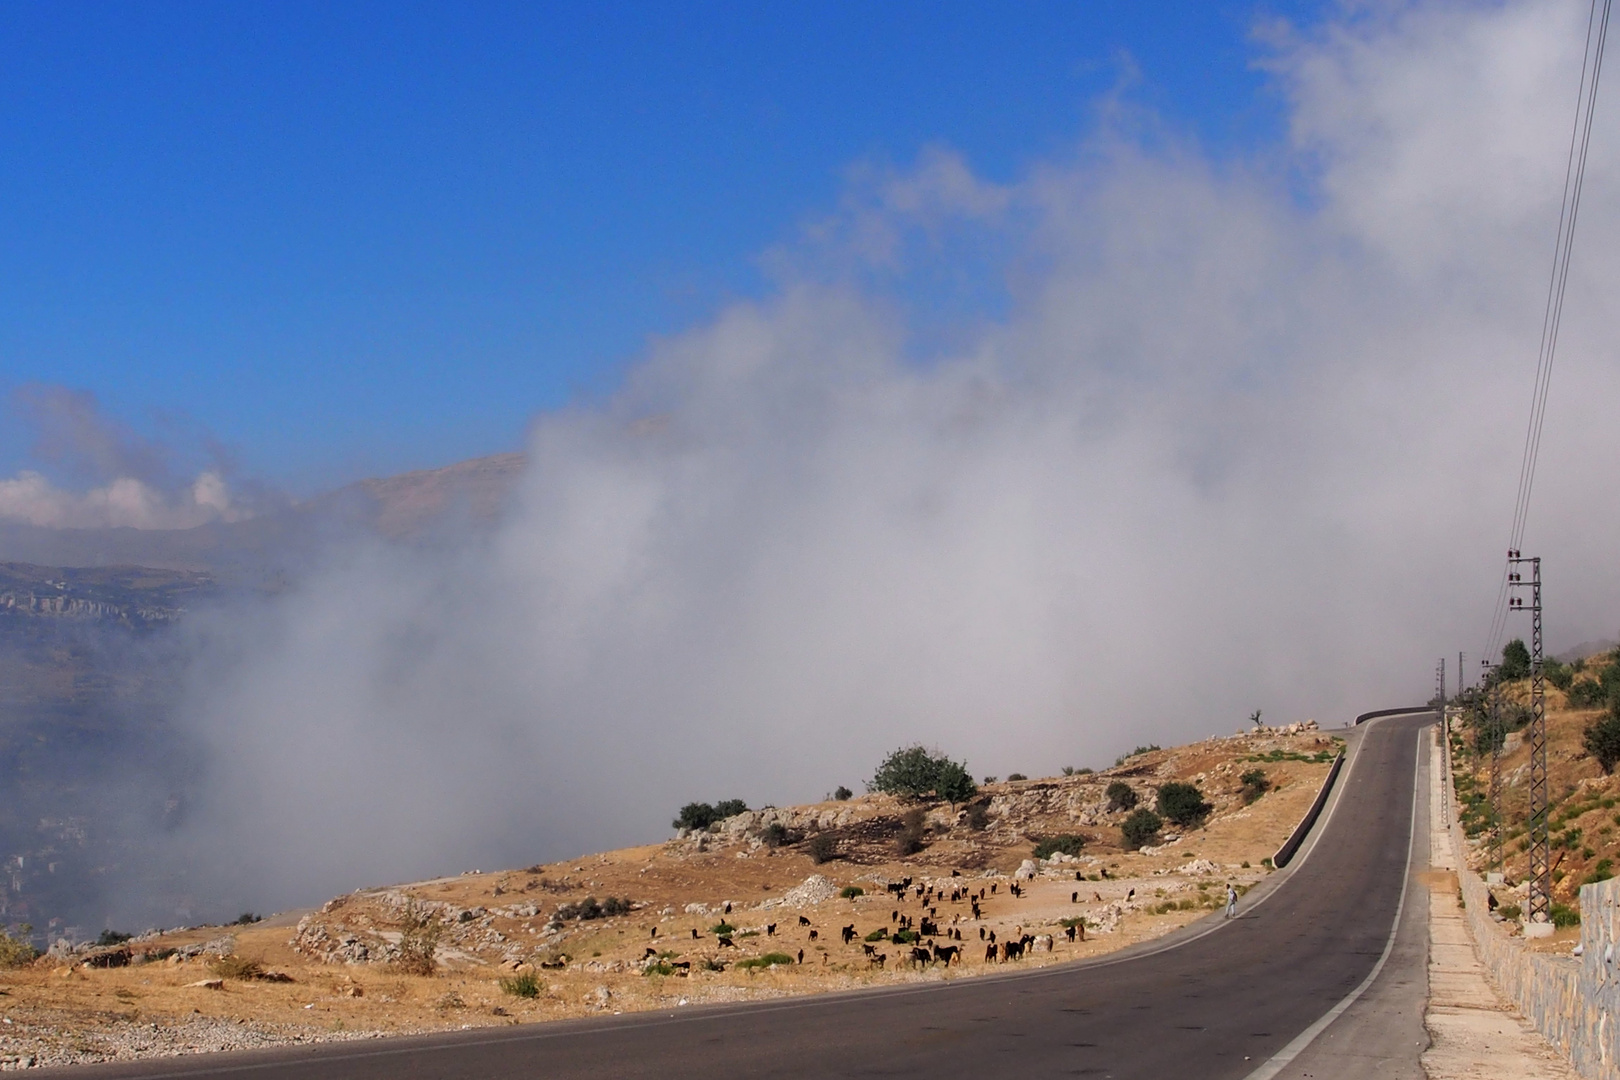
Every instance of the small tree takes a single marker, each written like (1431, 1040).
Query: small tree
(700, 815)
(1183, 804)
(1602, 740)
(1140, 829)
(1254, 718)
(1121, 796)
(843, 794)
(418, 941)
(915, 772)
(1515, 661)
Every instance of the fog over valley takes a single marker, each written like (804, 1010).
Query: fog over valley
(1033, 469)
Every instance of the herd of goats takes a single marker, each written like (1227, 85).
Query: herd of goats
(906, 931)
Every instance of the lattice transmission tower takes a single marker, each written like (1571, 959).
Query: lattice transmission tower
(1540, 900)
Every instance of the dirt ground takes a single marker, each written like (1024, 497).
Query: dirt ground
(704, 915)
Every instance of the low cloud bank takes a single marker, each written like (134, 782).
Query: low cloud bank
(132, 481)
(1245, 435)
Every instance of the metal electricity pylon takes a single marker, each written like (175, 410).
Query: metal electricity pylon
(1540, 900)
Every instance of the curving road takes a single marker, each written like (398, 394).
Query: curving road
(1218, 1004)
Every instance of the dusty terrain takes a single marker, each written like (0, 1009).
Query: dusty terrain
(338, 972)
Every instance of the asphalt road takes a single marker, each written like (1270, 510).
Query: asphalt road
(1217, 1005)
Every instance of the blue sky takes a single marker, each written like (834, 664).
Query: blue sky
(349, 239)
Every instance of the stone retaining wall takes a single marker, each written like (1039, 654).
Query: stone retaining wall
(1570, 1000)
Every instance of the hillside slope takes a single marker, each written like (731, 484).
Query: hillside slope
(738, 912)
(1584, 800)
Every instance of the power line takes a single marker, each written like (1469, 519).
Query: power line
(1597, 31)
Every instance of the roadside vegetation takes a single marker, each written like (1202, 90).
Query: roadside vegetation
(1583, 728)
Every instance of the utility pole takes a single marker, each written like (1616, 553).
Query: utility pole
(1461, 678)
(1538, 911)
(1445, 743)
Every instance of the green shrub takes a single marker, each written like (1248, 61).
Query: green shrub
(1141, 828)
(586, 909)
(1183, 804)
(769, 960)
(978, 816)
(905, 937)
(1602, 740)
(418, 941)
(877, 935)
(112, 937)
(1563, 915)
(15, 951)
(1602, 871)
(850, 892)
(662, 967)
(1587, 695)
(1068, 770)
(723, 929)
(1255, 784)
(1084, 770)
(1121, 796)
(915, 772)
(525, 984)
(700, 815)
(843, 794)
(1067, 843)
(774, 835)
(1560, 675)
(823, 847)
(1509, 911)
(1016, 776)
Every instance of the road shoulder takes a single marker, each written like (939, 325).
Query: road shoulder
(1474, 1031)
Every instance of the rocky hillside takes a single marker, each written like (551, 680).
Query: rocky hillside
(1585, 800)
(768, 902)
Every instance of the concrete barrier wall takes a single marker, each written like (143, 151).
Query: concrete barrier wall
(1570, 1000)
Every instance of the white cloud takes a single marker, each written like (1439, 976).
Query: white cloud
(122, 502)
(1230, 448)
